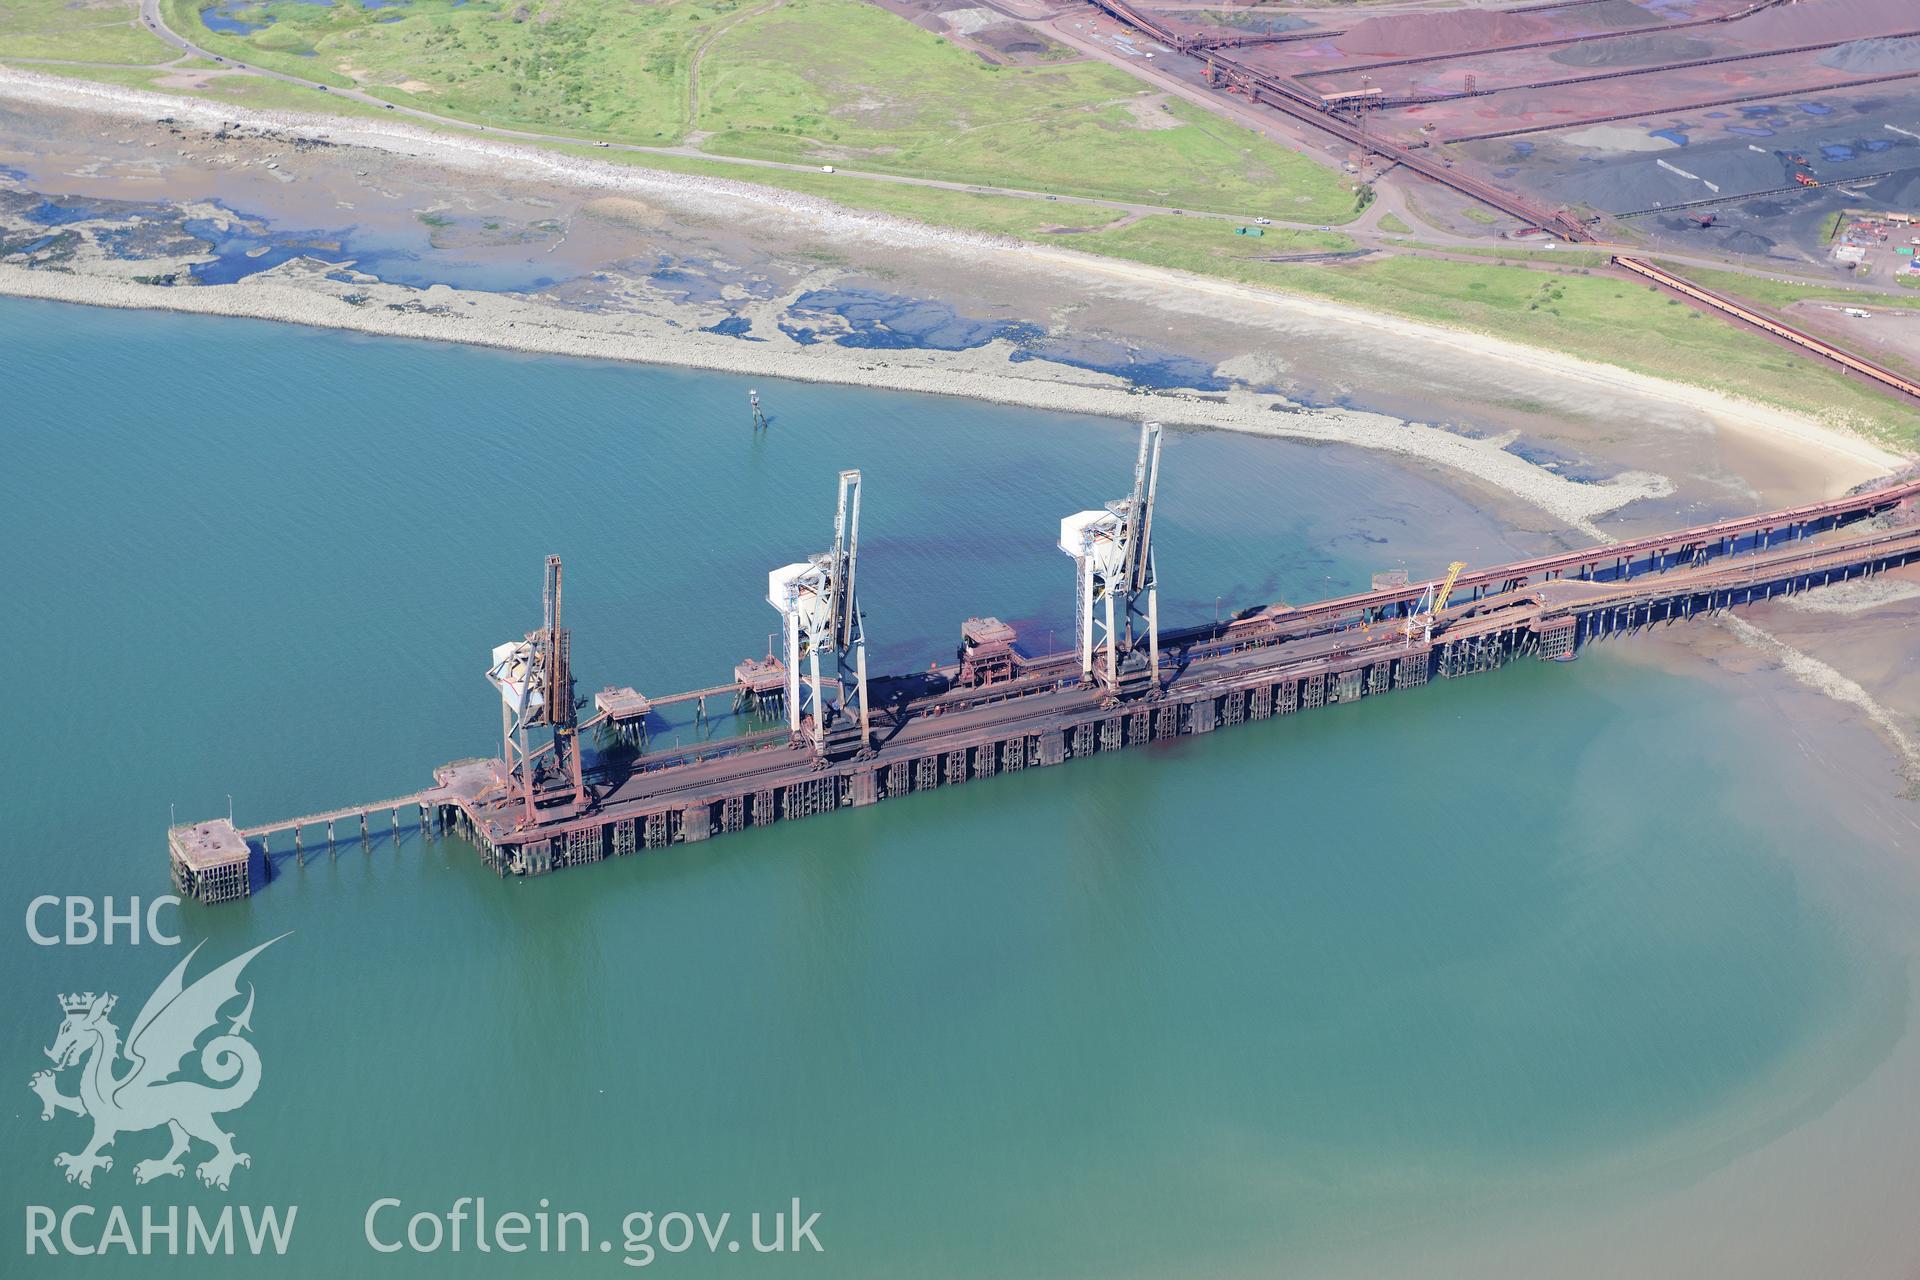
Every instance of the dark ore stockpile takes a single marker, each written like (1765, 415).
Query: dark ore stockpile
(1632, 51)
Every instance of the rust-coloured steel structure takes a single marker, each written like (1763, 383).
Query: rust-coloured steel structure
(948, 725)
(545, 702)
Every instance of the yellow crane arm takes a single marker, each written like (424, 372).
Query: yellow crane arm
(1446, 588)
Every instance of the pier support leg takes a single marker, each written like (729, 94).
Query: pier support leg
(1053, 746)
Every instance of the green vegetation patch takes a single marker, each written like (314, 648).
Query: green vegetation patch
(598, 68)
(1597, 317)
(1207, 244)
(845, 82)
(80, 30)
(1615, 321)
(805, 81)
(1525, 251)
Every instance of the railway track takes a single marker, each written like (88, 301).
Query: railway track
(1727, 306)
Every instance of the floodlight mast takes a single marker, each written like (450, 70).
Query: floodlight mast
(1117, 589)
(821, 610)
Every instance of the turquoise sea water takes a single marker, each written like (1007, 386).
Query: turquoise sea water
(1294, 999)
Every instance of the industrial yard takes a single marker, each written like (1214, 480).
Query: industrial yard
(1765, 111)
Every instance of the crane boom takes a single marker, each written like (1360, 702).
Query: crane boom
(1446, 588)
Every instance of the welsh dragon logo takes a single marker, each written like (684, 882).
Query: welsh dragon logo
(145, 1095)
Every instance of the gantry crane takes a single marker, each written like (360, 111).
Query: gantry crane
(535, 680)
(816, 599)
(1112, 551)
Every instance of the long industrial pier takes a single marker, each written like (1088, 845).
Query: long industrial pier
(996, 710)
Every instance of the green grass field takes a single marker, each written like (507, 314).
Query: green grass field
(808, 81)
(81, 30)
(1205, 245)
(892, 97)
(598, 68)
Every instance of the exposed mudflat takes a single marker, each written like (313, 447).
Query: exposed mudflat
(386, 227)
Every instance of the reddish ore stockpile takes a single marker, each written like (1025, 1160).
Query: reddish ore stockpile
(1420, 33)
